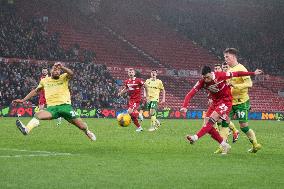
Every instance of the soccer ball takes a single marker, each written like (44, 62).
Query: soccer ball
(123, 120)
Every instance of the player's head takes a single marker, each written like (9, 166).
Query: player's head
(207, 74)
(225, 67)
(55, 72)
(44, 71)
(131, 72)
(231, 56)
(154, 73)
(217, 68)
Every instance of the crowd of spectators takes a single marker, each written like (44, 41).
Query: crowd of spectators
(91, 87)
(30, 39)
(252, 27)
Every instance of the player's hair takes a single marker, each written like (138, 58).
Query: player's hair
(224, 63)
(231, 51)
(217, 65)
(154, 70)
(44, 68)
(205, 70)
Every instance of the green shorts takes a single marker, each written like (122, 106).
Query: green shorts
(241, 111)
(152, 105)
(64, 110)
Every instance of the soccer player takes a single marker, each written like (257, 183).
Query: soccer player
(215, 83)
(241, 103)
(153, 87)
(57, 99)
(133, 86)
(217, 67)
(42, 100)
(224, 132)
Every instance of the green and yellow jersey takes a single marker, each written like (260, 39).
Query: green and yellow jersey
(56, 90)
(240, 85)
(153, 88)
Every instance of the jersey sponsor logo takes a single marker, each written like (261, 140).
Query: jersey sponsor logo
(132, 86)
(214, 88)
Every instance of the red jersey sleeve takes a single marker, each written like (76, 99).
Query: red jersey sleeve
(192, 92)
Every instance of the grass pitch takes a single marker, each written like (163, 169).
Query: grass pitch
(63, 157)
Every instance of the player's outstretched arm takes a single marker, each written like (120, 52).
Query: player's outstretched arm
(241, 74)
(30, 95)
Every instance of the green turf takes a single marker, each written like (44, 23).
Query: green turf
(121, 158)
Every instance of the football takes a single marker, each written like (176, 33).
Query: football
(123, 120)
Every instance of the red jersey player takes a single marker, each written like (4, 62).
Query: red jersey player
(134, 87)
(220, 91)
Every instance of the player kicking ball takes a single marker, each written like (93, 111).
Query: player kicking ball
(41, 96)
(133, 86)
(153, 87)
(58, 101)
(215, 83)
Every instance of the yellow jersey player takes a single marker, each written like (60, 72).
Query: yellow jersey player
(153, 87)
(58, 101)
(241, 103)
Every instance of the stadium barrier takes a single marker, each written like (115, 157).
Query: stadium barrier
(26, 111)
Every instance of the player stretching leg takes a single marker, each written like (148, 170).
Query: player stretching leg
(42, 100)
(133, 86)
(58, 101)
(215, 83)
(241, 103)
(153, 87)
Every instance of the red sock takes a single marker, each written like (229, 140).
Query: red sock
(134, 117)
(205, 129)
(215, 135)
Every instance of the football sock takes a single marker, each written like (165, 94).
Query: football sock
(134, 117)
(232, 127)
(224, 133)
(252, 138)
(215, 135)
(34, 122)
(158, 122)
(153, 120)
(206, 128)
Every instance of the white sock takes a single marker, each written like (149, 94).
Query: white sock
(158, 122)
(194, 137)
(224, 143)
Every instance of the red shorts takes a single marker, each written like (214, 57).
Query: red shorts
(42, 101)
(223, 108)
(134, 105)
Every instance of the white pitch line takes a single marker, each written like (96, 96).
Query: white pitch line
(39, 153)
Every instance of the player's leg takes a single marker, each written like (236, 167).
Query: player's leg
(78, 122)
(232, 126)
(133, 112)
(66, 111)
(213, 114)
(34, 122)
(242, 115)
(153, 111)
(224, 133)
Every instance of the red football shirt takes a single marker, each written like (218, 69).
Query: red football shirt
(134, 88)
(218, 88)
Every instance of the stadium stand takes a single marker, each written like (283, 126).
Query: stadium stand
(118, 39)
